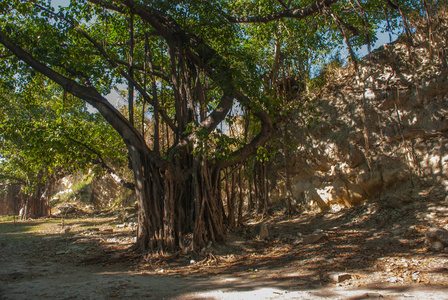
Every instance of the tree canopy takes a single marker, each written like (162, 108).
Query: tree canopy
(188, 67)
(46, 134)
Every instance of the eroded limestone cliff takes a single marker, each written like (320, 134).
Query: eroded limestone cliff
(382, 132)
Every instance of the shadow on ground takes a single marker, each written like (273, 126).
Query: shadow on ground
(382, 248)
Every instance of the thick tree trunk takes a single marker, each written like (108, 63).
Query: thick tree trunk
(11, 199)
(37, 205)
(173, 205)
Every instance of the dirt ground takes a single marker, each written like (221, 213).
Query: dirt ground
(381, 246)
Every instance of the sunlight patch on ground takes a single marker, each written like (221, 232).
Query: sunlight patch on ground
(262, 293)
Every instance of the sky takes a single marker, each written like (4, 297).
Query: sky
(57, 3)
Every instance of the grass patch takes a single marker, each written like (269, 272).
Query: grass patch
(28, 231)
(19, 231)
(8, 218)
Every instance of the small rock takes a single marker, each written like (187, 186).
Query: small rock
(395, 279)
(395, 242)
(312, 238)
(263, 231)
(67, 229)
(411, 232)
(339, 277)
(297, 241)
(415, 276)
(398, 231)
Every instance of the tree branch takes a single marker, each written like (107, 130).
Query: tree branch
(114, 65)
(267, 129)
(109, 170)
(129, 134)
(299, 13)
(215, 67)
(156, 72)
(19, 180)
(340, 24)
(283, 4)
(207, 57)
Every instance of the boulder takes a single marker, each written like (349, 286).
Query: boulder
(67, 208)
(437, 237)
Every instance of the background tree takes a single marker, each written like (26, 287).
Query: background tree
(190, 63)
(46, 134)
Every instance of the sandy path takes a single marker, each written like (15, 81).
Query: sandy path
(38, 261)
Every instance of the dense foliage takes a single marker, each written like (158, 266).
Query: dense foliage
(46, 134)
(189, 67)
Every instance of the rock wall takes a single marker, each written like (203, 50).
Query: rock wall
(382, 131)
(93, 191)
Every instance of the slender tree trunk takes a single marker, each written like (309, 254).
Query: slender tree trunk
(289, 194)
(256, 188)
(230, 196)
(266, 190)
(261, 187)
(251, 204)
(232, 201)
(241, 199)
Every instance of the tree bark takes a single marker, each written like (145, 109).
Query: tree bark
(172, 205)
(37, 204)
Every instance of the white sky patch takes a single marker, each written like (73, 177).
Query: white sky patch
(57, 3)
